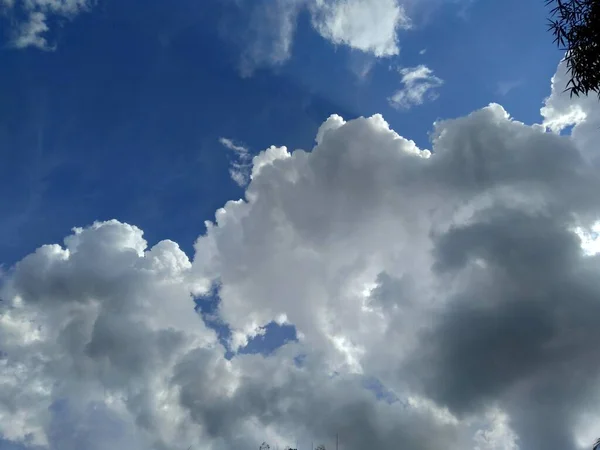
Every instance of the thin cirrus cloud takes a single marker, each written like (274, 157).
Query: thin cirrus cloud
(505, 87)
(33, 30)
(455, 277)
(419, 85)
(241, 165)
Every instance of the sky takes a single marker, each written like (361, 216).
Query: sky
(228, 222)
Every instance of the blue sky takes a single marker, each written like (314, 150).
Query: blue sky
(134, 100)
(115, 109)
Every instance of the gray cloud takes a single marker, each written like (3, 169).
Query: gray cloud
(520, 330)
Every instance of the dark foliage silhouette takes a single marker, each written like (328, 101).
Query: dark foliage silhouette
(575, 25)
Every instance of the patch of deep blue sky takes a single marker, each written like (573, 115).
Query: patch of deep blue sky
(123, 119)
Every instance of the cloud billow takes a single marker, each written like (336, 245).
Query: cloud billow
(455, 277)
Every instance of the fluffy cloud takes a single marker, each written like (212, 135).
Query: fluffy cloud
(561, 112)
(32, 31)
(101, 347)
(419, 85)
(101, 320)
(455, 274)
(454, 277)
(365, 25)
(368, 26)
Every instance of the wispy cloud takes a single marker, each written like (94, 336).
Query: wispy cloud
(30, 33)
(504, 87)
(368, 26)
(241, 165)
(419, 85)
(33, 31)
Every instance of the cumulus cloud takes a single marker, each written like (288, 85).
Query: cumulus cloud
(582, 114)
(32, 32)
(100, 320)
(368, 26)
(365, 25)
(454, 277)
(455, 274)
(419, 85)
(101, 347)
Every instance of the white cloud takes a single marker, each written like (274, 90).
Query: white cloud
(105, 326)
(102, 320)
(368, 26)
(29, 33)
(269, 35)
(241, 165)
(560, 111)
(496, 434)
(368, 244)
(419, 86)
(33, 31)
(63, 7)
(365, 25)
(452, 276)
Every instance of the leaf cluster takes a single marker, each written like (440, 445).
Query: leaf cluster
(575, 25)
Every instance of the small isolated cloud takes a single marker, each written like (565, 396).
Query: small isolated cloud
(419, 85)
(361, 64)
(269, 34)
(32, 32)
(505, 87)
(241, 166)
(366, 25)
(369, 26)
